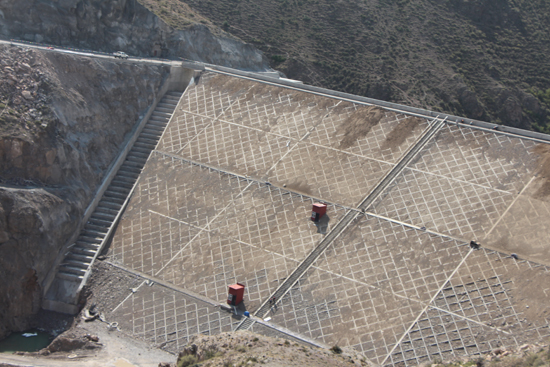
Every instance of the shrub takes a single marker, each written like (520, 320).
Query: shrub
(187, 361)
(241, 349)
(336, 349)
(211, 352)
(278, 58)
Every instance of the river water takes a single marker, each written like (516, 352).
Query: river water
(16, 342)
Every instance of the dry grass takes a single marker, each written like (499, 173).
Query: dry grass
(453, 56)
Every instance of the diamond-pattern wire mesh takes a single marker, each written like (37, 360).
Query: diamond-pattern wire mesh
(395, 258)
(339, 311)
(464, 180)
(479, 157)
(181, 130)
(279, 111)
(148, 242)
(162, 316)
(208, 97)
(275, 220)
(438, 335)
(461, 182)
(442, 205)
(386, 141)
(347, 181)
(491, 301)
(236, 148)
(214, 261)
(364, 273)
(524, 228)
(228, 230)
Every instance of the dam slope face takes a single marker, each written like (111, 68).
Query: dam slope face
(226, 197)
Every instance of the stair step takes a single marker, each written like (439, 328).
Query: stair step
(69, 276)
(122, 181)
(108, 210)
(105, 216)
(81, 258)
(127, 178)
(71, 270)
(131, 170)
(154, 133)
(146, 140)
(173, 95)
(121, 185)
(144, 145)
(120, 189)
(87, 245)
(91, 237)
(141, 155)
(84, 251)
(114, 200)
(135, 159)
(109, 206)
(152, 129)
(168, 110)
(142, 150)
(150, 136)
(128, 172)
(158, 118)
(161, 114)
(115, 195)
(137, 155)
(97, 228)
(112, 194)
(167, 103)
(76, 264)
(136, 163)
(161, 123)
(100, 222)
(172, 100)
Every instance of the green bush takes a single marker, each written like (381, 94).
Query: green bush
(211, 353)
(241, 349)
(336, 349)
(278, 58)
(187, 361)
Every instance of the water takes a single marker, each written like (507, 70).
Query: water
(16, 342)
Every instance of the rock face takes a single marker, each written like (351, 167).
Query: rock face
(120, 25)
(62, 122)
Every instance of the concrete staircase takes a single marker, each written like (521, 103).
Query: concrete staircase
(63, 293)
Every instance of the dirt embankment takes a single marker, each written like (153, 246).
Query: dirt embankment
(62, 122)
(244, 348)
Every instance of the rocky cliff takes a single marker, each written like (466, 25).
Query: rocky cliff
(125, 25)
(62, 122)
